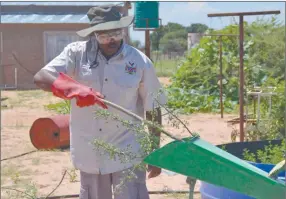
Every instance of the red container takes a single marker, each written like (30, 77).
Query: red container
(51, 133)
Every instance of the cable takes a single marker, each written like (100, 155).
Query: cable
(16, 156)
(19, 63)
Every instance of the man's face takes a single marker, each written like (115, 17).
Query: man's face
(109, 40)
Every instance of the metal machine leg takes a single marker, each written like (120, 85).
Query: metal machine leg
(192, 182)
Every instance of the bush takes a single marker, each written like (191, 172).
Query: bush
(195, 86)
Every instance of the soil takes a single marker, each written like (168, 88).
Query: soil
(45, 168)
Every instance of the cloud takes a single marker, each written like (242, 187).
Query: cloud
(185, 13)
(200, 7)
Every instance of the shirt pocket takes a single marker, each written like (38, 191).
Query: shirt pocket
(87, 76)
(126, 91)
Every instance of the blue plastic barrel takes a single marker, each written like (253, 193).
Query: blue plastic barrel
(209, 191)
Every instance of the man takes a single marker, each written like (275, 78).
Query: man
(104, 67)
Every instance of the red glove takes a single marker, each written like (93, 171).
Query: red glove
(66, 88)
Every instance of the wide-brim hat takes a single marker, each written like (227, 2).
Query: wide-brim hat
(105, 17)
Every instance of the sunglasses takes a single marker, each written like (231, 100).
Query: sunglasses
(104, 38)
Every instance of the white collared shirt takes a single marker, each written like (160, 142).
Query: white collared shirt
(127, 79)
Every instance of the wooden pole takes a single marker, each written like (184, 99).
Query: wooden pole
(241, 68)
(147, 40)
(124, 11)
(220, 66)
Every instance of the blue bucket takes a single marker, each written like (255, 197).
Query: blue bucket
(210, 191)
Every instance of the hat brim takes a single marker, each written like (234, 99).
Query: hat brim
(122, 23)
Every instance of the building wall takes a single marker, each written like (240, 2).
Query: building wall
(193, 39)
(26, 41)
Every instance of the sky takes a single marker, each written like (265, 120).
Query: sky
(189, 12)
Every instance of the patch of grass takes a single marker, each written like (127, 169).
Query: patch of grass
(26, 191)
(4, 106)
(72, 175)
(62, 107)
(10, 171)
(25, 98)
(13, 173)
(30, 93)
(166, 68)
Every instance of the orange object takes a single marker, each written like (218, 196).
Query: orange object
(51, 133)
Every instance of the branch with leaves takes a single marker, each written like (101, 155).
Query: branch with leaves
(146, 139)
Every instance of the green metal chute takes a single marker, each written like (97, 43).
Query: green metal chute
(201, 160)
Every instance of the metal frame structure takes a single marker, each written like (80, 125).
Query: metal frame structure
(258, 93)
(220, 64)
(241, 53)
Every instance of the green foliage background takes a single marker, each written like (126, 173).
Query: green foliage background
(195, 86)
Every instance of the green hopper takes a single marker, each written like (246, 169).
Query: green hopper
(199, 159)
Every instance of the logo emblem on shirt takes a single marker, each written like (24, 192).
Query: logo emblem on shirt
(130, 68)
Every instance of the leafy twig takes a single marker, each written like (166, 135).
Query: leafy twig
(30, 196)
(141, 119)
(176, 117)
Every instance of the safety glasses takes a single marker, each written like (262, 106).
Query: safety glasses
(104, 38)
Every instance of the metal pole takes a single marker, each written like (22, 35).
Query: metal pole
(220, 70)
(1, 52)
(241, 79)
(285, 91)
(220, 64)
(241, 70)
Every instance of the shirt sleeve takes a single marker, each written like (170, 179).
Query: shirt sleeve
(150, 89)
(65, 62)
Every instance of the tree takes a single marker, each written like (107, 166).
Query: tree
(197, 28)
(157, 35)
(135, 43)
(174, 41)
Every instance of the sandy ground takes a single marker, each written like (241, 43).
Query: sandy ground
(44, 169)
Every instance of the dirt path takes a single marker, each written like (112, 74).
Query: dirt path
(45, 168)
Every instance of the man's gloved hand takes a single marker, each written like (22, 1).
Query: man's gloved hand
(66, 88)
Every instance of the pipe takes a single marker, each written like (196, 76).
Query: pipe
(150, 192)
(220, 71)
(241, 79)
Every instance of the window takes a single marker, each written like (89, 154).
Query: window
(55, 42)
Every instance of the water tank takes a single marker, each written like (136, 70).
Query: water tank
(146, 11)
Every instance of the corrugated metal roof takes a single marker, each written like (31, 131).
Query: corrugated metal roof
(58, 3)
(47, 12)
(38, 18)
